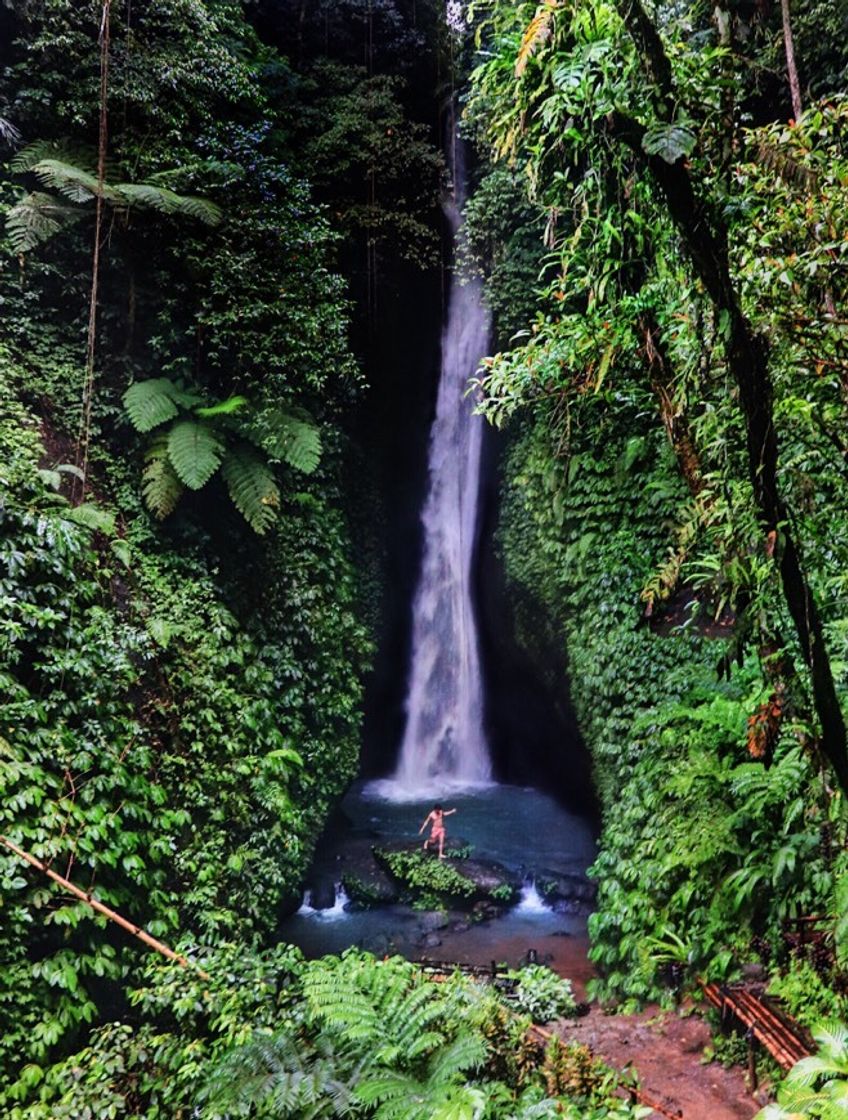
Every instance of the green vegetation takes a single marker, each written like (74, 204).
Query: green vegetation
(197, 233)
(428, 882)
(670, 405)
(541, 994)
(272, 1035)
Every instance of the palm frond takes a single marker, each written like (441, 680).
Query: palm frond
(8, 132)
(536, 33)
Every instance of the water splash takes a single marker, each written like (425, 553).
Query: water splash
(531, 902)
(329, 913)
(444, 745)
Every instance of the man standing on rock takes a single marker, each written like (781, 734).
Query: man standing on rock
(436, 818)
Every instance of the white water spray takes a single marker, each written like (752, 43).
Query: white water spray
(444, 745)
(531, 902)
(331, 913)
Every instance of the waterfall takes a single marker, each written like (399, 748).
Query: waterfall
(444, 744)
(531, 902)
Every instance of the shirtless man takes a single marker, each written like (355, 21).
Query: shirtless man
(436, 819)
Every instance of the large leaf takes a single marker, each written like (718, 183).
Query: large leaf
(669, 141)
(292, 437)
(195, 452)
(252, 487)
(36, 218)
(160, 486)
(88, 515)
(150, 403)
(75, 183)
(167, 202)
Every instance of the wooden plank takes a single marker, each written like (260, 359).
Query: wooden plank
(779, 1036)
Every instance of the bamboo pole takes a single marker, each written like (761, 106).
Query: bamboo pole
(101, 908)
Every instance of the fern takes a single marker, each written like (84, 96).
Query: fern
(8, 132)
(74, 183)
(89, 516)
(252, 487)
(222, 408)
(168, 202)
(36, 218)
(160, 487)
(536, 33)
(29, 157)
(72, 173)
(150, 403)
(291, 437)
(195, 452)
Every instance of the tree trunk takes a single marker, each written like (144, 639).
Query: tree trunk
(675, 424)
(791, 68)
(705, 238)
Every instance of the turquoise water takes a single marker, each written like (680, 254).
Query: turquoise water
(523, 829)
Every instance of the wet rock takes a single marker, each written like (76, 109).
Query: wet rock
(754, 972)
(322, 894)
(432, 920)
(556, 887)
(460, 927)
(431, 941)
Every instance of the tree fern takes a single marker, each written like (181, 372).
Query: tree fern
(251, 486)
(168, 202)
(74, 183)
(150, 403)
(37, 217)
(71, 172)
(160, 486)
(195, 452)
(291, 437)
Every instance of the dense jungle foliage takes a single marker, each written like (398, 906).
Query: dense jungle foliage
(204, 203)
(676, 401)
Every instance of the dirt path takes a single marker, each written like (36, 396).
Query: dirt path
(666, 1051)
(664, 1048)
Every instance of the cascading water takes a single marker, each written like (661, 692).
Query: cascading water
(444, 744)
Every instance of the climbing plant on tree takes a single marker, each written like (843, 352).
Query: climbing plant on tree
(557, 93)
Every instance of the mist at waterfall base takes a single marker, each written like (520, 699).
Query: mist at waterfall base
(444, 754)
(526, 831)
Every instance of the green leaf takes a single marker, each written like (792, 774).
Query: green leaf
(88, 515)
(121, 549)
(222, 408)
(195, 452)
(36, 218)
(292, 437)
(161, 488)
(153, 402)
(669, 141)
(252, 487)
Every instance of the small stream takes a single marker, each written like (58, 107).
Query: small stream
(524, 830)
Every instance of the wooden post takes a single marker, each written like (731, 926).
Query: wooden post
(752, 1060)
(101, 908)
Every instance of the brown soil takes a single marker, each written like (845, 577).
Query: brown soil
(665, 1049)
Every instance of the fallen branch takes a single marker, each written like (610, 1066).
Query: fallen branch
(106, 911)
